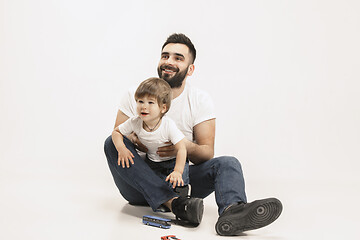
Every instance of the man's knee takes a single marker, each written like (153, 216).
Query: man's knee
(228, 162)
(108, 143)
(109, 149)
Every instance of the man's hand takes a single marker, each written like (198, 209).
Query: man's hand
(135, 140)
(124, 157)
(167, 151)
(175, 178)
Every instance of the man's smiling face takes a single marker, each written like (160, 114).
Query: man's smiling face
(175, 64)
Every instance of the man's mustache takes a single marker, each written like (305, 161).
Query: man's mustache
(169, 67)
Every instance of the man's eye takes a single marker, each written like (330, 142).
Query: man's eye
(164, 57)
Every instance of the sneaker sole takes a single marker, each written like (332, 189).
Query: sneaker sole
(255, 215)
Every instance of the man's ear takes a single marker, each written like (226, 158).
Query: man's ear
(191, 69)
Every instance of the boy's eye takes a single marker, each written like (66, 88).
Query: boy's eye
(151, 102)
(140, 101)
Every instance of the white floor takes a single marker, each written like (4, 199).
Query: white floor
(283, 75)
(81, 202)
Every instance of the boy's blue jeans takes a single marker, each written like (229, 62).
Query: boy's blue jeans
(163, 169)
(140, 185)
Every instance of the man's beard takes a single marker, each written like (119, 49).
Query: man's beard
(175, 81)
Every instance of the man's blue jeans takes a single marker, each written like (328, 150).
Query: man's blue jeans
(140, 185)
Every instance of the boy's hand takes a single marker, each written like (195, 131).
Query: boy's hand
(175, 178)
(124, 157)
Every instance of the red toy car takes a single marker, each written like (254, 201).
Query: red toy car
(170, 237)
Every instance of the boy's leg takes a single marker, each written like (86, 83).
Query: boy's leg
(139, 182)
(163, 169)
(224, 176)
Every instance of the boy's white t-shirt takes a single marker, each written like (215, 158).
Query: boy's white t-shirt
(167, 131)
(190, 108)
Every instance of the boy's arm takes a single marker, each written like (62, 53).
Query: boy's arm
(124, 154)
(122, 117)
(175, 177)
(180, 156)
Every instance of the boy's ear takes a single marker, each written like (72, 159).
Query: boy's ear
(164, 108)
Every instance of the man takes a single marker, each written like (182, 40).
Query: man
(192, 110)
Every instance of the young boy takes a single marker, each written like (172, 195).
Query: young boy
(153, 98)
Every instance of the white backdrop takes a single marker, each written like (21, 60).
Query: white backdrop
(284, 76)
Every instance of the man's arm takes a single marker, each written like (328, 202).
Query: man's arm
(120, 118)
(202, 150)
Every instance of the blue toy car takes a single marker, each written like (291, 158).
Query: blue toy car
(156, 221)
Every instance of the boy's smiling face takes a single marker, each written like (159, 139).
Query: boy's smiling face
(148, 109)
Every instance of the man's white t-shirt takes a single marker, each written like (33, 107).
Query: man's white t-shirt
(167, 131)
(190, 108)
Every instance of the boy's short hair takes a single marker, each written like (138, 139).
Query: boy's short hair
(155, 87)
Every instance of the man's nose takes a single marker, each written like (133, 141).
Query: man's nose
(169, 61)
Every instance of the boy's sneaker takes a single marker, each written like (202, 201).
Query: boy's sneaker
(248, 216)
(188, 209)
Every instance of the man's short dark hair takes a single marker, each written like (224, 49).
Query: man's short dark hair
(181, 38)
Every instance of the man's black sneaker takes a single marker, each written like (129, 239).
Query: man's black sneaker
(248, 216)
(188, 209)
(182, 191)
